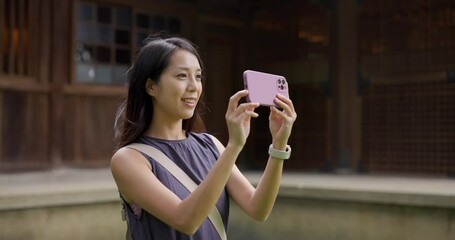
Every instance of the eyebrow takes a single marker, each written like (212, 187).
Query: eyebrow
(187, 69)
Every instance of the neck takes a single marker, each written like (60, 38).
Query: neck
(166, 130)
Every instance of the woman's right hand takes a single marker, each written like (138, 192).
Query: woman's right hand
(238, 118)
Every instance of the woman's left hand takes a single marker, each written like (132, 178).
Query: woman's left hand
(280, 122)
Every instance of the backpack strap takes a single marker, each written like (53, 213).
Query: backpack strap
(214, 216)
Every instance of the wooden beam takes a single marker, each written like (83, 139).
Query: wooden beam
(221, 21)
(422, 77)
(94, 90)
(25, 84)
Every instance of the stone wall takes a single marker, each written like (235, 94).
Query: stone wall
(315, 219)
(83, 221)
(292, 218)
(82, 204)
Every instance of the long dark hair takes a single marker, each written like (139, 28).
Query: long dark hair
(135, 112)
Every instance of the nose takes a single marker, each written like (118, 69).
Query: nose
(192, 84)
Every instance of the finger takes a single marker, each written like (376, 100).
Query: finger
(234, 100)
(243, 110)
(287, 108)
(275, 113)
(245, 107)
(286, 100)
(245, 116)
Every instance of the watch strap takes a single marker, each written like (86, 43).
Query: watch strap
(280, 154)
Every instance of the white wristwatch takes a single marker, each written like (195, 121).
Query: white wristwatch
(280, 154)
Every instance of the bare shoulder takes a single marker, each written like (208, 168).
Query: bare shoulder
(217, 142)
(127, 167)
(125, 158)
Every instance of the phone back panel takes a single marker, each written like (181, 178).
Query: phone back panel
(263, 87)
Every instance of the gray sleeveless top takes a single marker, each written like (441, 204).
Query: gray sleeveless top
(195, 155)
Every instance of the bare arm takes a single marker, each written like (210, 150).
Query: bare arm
(134, 180)
(258, 202)
(139, 186)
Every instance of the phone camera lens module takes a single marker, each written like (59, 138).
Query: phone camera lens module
(281, 85)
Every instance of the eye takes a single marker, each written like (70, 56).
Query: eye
(199, 77)
(181, 75)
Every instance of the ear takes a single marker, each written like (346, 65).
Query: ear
(150, 87)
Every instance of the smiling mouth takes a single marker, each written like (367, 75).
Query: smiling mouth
(189, 100)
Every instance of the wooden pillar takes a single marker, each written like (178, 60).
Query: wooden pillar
(60, 58)
(346, 102)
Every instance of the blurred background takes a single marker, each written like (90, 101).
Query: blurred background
(373, 83)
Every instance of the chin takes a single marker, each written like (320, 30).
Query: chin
(188, 116)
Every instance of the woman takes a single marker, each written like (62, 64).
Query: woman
(162, 110)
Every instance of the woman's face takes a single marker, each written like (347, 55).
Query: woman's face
(178, 90)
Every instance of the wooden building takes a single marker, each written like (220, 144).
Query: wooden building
(373, 81)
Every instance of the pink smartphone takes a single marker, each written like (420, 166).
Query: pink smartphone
(263, 87)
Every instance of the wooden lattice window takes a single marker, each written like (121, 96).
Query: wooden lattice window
(103, 46)
(406, 50)
(106, 36)
(14, 37)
